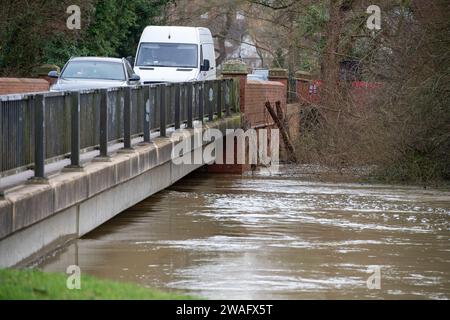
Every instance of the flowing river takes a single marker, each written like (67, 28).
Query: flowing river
(275, 236)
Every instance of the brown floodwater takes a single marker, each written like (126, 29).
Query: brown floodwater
(275, 236)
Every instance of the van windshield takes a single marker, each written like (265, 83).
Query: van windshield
(179, 55)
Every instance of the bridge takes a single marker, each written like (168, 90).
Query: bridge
(70, 161)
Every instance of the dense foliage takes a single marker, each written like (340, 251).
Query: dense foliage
(35, 32)
(402, 129)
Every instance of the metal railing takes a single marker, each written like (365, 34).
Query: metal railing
(40, 128)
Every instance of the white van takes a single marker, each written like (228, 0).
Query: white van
(175, 54)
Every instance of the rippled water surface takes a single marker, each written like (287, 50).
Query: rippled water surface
(275, 236)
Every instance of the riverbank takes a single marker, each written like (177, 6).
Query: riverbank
(31, 284)
(349, 174)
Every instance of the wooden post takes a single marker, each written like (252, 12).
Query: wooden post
(284, 134)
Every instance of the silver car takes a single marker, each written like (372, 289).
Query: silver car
(82, 73)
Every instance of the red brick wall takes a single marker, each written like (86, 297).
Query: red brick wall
(360, 91)
(22, 85)
(283, 81)
(256, 95)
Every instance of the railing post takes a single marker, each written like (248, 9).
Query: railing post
(103, 126)
(128, 100)
(210, 99)
(74, 100)
(146, 125)
(153, 94)
(184, 98)
(189, 106)
(201, 100)
(39, 138)
(227, 96)
(219, 98)
(194, 101)
(162, 110)
(177, 106)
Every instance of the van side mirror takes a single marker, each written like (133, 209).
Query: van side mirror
(134, 77)
(205, 66)
(53, 74)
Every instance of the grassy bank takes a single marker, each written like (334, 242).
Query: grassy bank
(29, 284)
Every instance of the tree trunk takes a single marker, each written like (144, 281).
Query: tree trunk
(229, 20)
(330, 90)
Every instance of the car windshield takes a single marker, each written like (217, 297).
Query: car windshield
(94, 70)
(167, 55)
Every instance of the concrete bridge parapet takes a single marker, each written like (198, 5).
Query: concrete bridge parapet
(36, 218)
